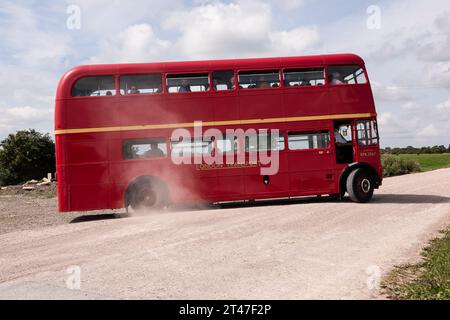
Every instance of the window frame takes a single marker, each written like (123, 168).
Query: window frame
(327, 82)
(306, 132)
(236, 75)
(115, 77)
(166, 76)
(324, 67)
(373, 122)
(223, 91)
(282, 133)
(140, 74)
(210, 143)
(131, 142)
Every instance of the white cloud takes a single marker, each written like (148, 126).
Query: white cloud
(137, 43)
(239, 29)
(294, 41)
(389, 92)
(28, 43)
(444, 106)
(291, 4)
(27, 113)
(438, 74)
(16, 118)
(429, 131)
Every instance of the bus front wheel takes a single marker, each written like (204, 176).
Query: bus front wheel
(360, 186)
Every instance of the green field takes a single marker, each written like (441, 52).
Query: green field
(429, 161)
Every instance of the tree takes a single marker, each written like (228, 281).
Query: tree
(26, 155)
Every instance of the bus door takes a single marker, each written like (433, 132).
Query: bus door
(343, 142)
(366, 134)
(270, 177)
(230, 174)
(311, 161)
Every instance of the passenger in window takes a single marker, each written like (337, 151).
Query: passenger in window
(305, 83)
(275, 85)
(340, 140)
(184, 87)
(134, 90)
(215, 84)
(232, 85)
(336, 78)
(154, 151)
(159, 89)
(263, 84)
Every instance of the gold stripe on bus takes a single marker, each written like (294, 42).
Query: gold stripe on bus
(213, 123)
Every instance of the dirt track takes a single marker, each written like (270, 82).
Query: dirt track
(295, 250)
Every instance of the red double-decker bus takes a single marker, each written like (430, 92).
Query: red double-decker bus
(114, 128)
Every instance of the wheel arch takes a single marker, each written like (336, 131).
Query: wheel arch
(353, 166)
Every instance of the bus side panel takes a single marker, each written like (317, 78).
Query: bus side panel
(351, 99)
(306, 101)
(86, 178)
(63, 195)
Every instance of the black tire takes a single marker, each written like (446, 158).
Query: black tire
(147, 195)
(360, 185)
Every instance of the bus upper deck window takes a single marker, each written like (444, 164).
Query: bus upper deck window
(223, 80)
(94, 86)
(259, 79)
(195, 82)
(304, 77)
(141, 84)
(346, 74)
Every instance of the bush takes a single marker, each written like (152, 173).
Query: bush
(26, 155)
(393, 165)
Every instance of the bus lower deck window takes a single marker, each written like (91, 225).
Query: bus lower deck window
(367, 132)
(145, 148)
(264, 142)
(308, 140)
(194, 146)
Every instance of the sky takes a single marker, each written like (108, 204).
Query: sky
(405, 44)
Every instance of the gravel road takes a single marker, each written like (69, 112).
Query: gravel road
(301, 249)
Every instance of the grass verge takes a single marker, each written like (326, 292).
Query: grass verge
(427, 280)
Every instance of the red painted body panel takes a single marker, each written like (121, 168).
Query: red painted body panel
(92, 173)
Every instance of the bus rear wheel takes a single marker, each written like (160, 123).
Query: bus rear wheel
(360, 186)
(146, 195)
